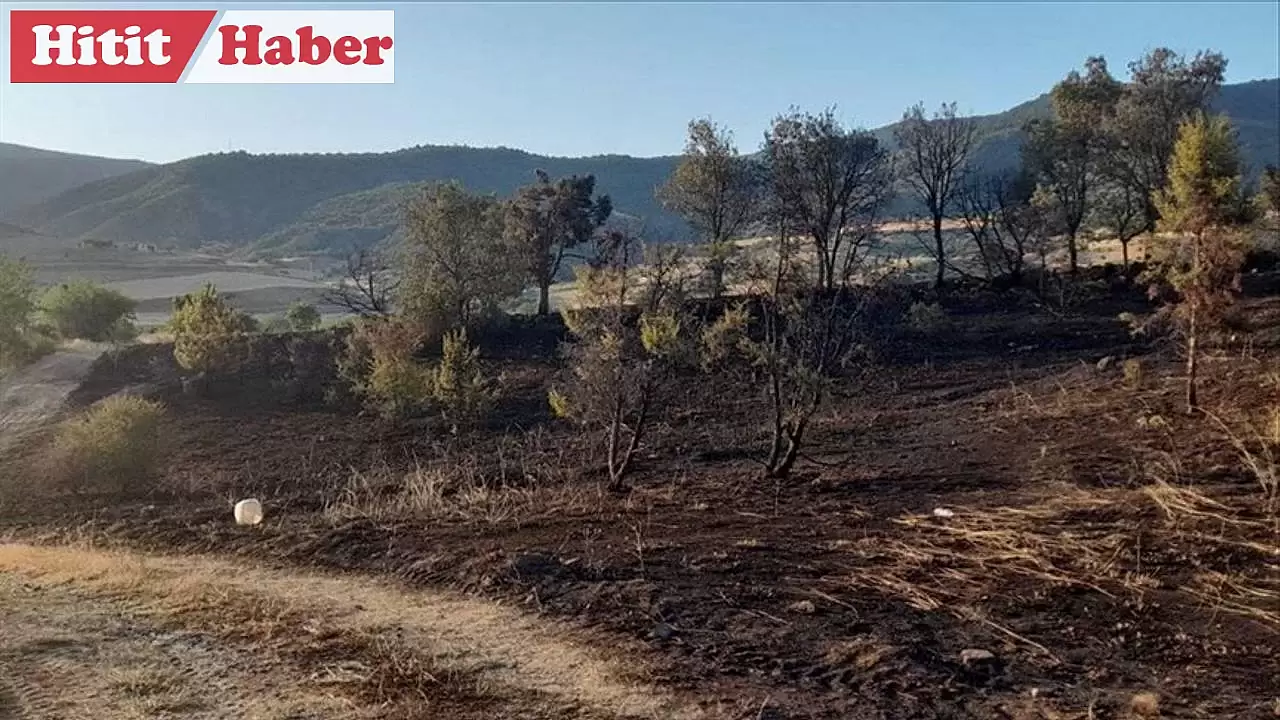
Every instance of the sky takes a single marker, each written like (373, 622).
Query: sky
(577, 79)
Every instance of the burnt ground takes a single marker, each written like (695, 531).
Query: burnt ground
(1071, 552)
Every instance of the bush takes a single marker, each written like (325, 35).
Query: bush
(302, 317)
(115, 446)
(208, 334)
(378, 362)
(927, 317)
(463, 392)
(16, 292)
(88, 311)
(276, 325)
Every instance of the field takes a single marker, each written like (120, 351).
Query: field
(153, 278)
(994, 525)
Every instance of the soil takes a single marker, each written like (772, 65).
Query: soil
(768, 599)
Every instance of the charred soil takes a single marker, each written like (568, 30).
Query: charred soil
(997, 525)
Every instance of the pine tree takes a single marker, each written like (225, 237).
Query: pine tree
(1201, 204)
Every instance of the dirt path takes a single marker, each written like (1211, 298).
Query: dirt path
(35, 393)
(95, 634)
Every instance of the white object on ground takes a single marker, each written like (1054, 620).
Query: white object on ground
(943, 512)
(248, 512)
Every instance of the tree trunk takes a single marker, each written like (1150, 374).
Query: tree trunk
(1124, 255)
(716, 266)
(780, 467)
(939, 250)
(1191, 363)
(1074, 252)
(544, 298)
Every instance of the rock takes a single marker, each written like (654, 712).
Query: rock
(662, 631)
(1106, 363)
(804, 607)
(943, 513)
(975, 658)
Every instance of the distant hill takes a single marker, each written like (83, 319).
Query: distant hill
(325, 203)
(29, 175)
(314, 201)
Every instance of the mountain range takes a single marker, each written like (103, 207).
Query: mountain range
(276, 205)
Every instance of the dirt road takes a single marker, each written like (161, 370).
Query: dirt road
(35, 393)
(90, 634)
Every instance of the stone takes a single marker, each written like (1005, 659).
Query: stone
(1106, 363)
(974, 658)
(804, 607)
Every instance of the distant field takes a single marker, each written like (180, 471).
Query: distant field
(229, 282)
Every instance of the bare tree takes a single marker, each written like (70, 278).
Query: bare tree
(933, 153)
(1000, 222)
(831, 183)
(367, 286)
(1118, 207)
(628, 337)
(802, 338)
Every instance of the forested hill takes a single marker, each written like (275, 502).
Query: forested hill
(284, 204)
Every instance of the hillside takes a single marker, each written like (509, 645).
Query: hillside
(30, 175)
(309, 202)
(291, 204)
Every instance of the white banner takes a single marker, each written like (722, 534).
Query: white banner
(297, 46)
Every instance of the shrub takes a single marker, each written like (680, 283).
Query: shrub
(379, 364)
(619, 360)
(115, 446)
(276, 325)
(463, 392)
(302, 317)
(208, 334)
(87, 311)
(16, 291)
(927, 317)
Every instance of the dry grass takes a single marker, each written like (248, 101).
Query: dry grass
(521, 482)
(370, 640)
(1085, 538)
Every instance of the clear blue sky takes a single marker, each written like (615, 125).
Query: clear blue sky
(583, 79)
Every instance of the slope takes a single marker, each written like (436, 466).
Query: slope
(30, 175)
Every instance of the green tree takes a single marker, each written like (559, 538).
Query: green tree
(209, 336)
(17, 293)
(933, 153)
(1066, 152)
(716, 191)
(1201, 263)
(547, 219)
(1164, 89)
(456, 264)
(302, 317)
(831, 183)
(85, 310)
